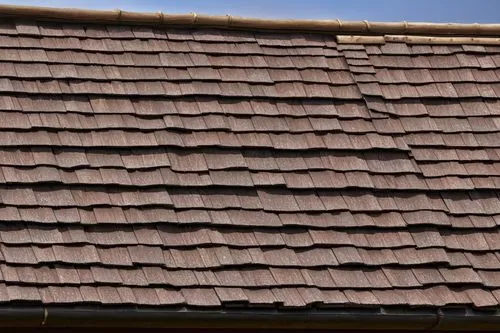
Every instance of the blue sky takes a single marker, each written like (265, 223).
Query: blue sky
(464, 11)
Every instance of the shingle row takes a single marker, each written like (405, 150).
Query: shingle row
(192, 88)
(241, 123)
(238, 258)
(444, 177)
(450, 61)
(327, 59)
(433, 90)
(187, 139)
(234, 217)
(173, 235)
(99, 73)
(396, 48)
(385, 278)
(185, 106)
(147, 46)
(269, 199)
(255, 160)
(126, 32)
(278, 297)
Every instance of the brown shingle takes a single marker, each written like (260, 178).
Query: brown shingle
(401, 277)
(260, 296)
(349, 278)
(460, 275)
(331, 237)
(361, 297)
(481, 297)
(390, 297)
(428, 276)
(319, 277)
(378, 257)
(288, 297)
(27, 28)
(201, 297)
(231, 295)
(317, 257)
(114, 256)
(180, 278)
(333, 297)
(287, 277)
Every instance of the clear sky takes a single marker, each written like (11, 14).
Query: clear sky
(464, 11)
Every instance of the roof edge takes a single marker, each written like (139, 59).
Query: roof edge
(228, 21)
(341, 318)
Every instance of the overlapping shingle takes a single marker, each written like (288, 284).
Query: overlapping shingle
(202, 167)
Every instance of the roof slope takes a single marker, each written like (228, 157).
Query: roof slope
(205, 168)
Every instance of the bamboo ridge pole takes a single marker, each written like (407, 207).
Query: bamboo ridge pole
(444, 40)
(412, 39)
(349, 39)
(228, 21)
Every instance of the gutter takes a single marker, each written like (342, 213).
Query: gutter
(228, 21)
(332, 318)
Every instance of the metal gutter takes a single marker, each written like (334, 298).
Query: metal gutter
(228, 21)
(332, 318)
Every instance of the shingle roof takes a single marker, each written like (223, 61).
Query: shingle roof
(164, 166)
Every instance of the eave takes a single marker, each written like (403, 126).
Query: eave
(463, 319)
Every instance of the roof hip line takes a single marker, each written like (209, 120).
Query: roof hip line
(336, 26)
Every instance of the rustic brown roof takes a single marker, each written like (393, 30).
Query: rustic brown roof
(196, 167)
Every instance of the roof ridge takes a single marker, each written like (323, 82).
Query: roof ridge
(228, 21)
(418, 40)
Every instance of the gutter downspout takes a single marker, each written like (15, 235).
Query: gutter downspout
(331, 318)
